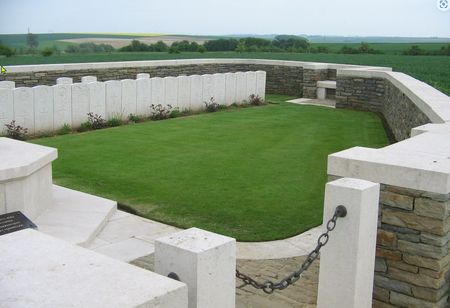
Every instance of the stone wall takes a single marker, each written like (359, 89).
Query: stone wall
(413, 260)
(281, 79)
(360, 93)
(310, 78)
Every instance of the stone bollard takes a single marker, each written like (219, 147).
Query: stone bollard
(347, 261)
(205, 261)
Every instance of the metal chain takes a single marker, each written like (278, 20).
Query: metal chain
(269, 286)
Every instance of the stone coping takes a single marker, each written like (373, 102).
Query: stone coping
(126, 64)
(19, 159)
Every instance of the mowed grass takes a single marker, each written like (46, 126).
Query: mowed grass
(433, 70)
(252, 173)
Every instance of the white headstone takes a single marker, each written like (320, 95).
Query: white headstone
(184, 92)
(219, 88)
(64, 80)
(7, 84)
(43, 109)
(6, 108)
(205, 261)
(113, 93)
(128, 96)
(230, 88)
(158, 90)
(261, 84)
(24, 108)
(208, 88)
(241, 87)
(143, 96)
(80, 103)
(97, 104)
(143, 75)
(251, 83)
(88, 79)
(171, 88)
(196, 101)
(62, 105)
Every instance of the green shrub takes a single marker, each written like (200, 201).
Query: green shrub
(16, 131)
(114, 121)
(160, 112)
(6, 51)
(47, 52)
(85, 126)
(65, 129)
(134, 118)
(175, 113)
(211, 106)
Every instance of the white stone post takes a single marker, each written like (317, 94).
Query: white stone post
(205, 261)
(347, 261)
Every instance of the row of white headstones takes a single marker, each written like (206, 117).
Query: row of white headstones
(43, 109)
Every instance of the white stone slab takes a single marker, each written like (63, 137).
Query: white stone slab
(75, 217)
(219, 88)
(143, 76)
(88, 79)
(6, 84)
(97, 100)
(261, 84)
(230, 88)
(251, 83)
(80, 103)
(184, 92)
(241, 87)
(113, 93)
(6, 108)
(143, 95)
(53, 273)
(62, 105)
(64, 80)
(205, 261)
(43, 109)
(321, 93)
(128, 96)
(327, 84)
(24, 108)
(171, 89)
(207, 88)
(196, 102)
(127, 250)
(158, 90)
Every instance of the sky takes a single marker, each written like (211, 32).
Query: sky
(410, 18)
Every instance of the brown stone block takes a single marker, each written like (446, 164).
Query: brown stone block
(431, 295)
(432, 208)
(388, 254)
(424, 250)
(396, 200)
(380, 304)
(416, 279)
(401, 300)
(386, 239)
(403, 266)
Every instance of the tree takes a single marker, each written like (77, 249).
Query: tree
(32, 41)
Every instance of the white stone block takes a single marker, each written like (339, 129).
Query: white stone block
(6, 84)
(241, 87)
(321, 93)
(88, 79)
(54, 273)
(113, 93)
(6, 108)
(261, 84)
(184, 92)
(143, 76)
(64, 80)
(196, 101)
(158, 90)
(43, 109)
(205, 261)
(143, 96)
(171, 89)
(347, 261)
(128, 96)
(230, 88)
(80, 103)
(207, 88)
(97, 100)
(219, 88)
(62, 105)
(251, 83)
(24, 108)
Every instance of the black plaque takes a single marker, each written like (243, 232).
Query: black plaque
(14, 221)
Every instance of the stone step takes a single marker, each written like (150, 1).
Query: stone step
(74, 216)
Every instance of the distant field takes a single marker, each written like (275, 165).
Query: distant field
(433, 70)
(387, 48)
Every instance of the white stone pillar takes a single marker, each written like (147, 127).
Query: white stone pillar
(43, 109)
(6, 108)
(347, 261)
(321, 93)
(196, 92)
(205, 261)
(128, 97)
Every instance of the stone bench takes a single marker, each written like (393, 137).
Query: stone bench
(325, 86)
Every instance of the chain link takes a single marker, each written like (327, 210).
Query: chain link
(269, 287)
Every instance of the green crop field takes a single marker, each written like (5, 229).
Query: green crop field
(433, 70)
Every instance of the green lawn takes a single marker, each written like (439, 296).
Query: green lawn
(430, 69)
(252, 173)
